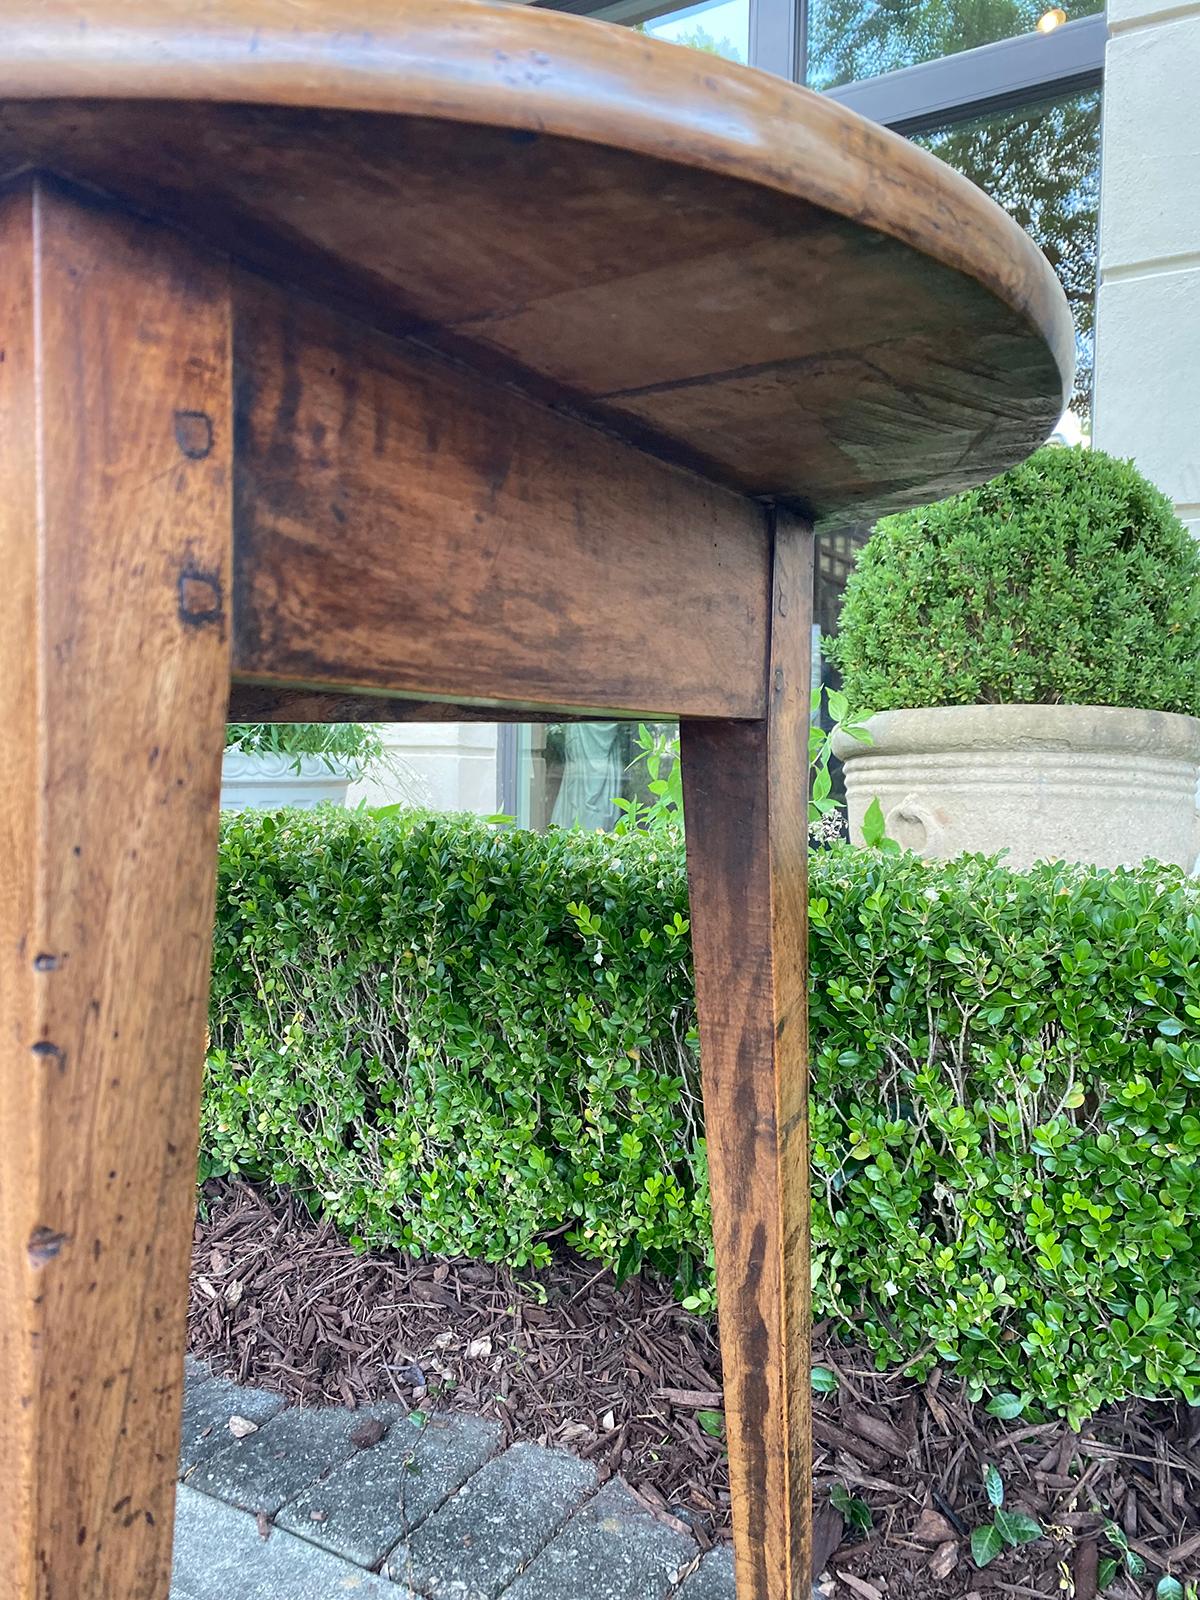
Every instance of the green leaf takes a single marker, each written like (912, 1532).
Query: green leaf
(986, 1544)
(840, 1498)
(1107, 1572)
(712, 1423)
(856, 1512)
(824, 1381)
(1014, 1527)
(993, 1485)
(1169, 1588)
(1005, 1406)
(874, 827)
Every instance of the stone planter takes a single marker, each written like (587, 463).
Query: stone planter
(1096, 784)
(262, 780)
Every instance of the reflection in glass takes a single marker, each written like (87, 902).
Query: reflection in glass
(851, 39)
(570, 774)
(721, 27)
(1042, 164)
(591, 777)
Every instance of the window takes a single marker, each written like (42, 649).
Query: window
(1042, 164)
(719, 26)
(572, 774)
(849, 40)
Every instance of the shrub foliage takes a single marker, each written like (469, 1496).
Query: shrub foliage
(1067, 580)
(455, 1038)
(459, 1038)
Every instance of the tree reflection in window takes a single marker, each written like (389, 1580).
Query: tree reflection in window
(852, 39)
(718, 27)
(1042, 164)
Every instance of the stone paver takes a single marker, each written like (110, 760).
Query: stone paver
(712, 1579)
(220, 1555)
(373, 1500)
(285, 1456)
(527, 1524)
(493, 1527)
(611, 1549)
(208, 1404)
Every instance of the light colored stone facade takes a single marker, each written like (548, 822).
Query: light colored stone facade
(450, 766)
(1147, 397)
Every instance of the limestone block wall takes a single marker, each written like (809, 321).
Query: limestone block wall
(1147, 394)
(451, 766)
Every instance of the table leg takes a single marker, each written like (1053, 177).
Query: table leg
(745, 799)
(115, 526)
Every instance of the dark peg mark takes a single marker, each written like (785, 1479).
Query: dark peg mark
(194, 434)
(46, 963)
(199, 597)
(44, 1245)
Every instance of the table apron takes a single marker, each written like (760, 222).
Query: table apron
(405, 526)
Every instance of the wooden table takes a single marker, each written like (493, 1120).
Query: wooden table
(435, 360)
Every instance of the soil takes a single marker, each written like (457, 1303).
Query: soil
(623, 1375)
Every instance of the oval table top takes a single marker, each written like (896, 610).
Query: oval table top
(724, 268)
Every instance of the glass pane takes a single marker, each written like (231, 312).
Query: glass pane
(1042, 164)
(571, 774)
(719, 26)
(852, 39)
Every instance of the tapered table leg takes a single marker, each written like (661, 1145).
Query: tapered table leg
(114, 533)
(745, 799)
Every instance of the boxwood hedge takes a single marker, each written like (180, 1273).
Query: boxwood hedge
(1060, 581)
(458, 1038)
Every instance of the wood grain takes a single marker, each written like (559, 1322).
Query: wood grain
(745, 798)
(250, 702)
(403, 525)
(735, 272)
(589, 300)
(114, 526)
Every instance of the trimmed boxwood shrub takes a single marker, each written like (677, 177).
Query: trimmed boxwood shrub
(1067, 580)
(457, 1038)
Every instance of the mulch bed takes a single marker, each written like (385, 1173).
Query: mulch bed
(621, 1375)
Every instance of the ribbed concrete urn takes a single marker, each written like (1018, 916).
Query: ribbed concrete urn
(1095, 784)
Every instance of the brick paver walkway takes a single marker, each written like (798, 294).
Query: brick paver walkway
(435, 1512)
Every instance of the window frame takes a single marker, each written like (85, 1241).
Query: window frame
(993, 77)
(920, 98)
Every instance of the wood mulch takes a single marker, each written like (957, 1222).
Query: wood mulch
(625, 1377)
